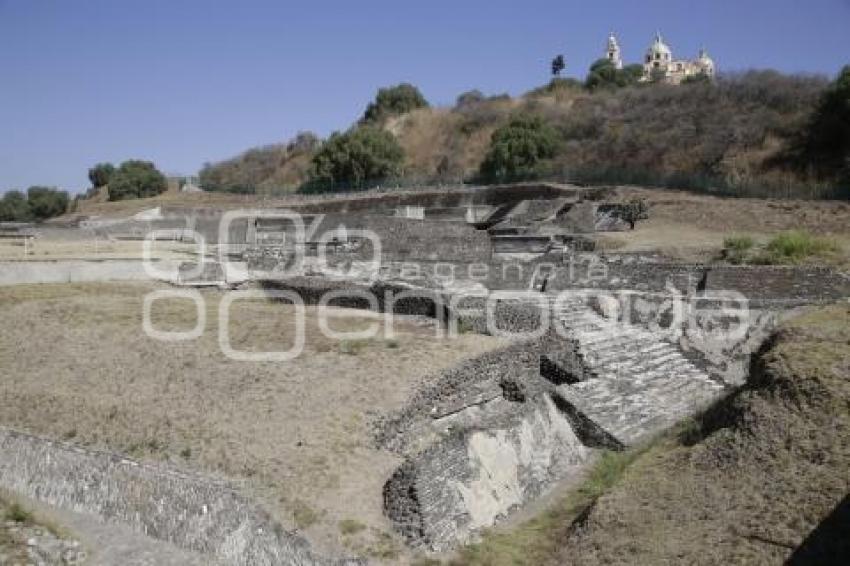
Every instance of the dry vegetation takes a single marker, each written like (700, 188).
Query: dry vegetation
(272, 168)
(693, 227)
(733, 136)
(294, 435)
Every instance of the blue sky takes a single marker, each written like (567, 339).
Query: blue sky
(181, 82)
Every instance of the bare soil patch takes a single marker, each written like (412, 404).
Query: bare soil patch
(692, 227)
(76, 365)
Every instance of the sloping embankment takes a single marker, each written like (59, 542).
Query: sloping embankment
(765, 480)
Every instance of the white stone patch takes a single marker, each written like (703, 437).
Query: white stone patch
(536, 448)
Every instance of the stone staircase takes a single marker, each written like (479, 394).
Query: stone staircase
(632, 382)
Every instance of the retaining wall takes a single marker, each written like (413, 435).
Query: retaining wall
(79, 271)
(471, 479)
(191, 512)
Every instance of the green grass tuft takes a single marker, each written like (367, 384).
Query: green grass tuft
(797, 245)
(18, 514)
(738, 243)
(351, 526)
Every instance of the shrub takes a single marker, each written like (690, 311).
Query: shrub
(636, 209)
(136, 179)
(354, 159)
(517, 149)
(303, 142)
(275, 168)
(557, 87)
(469, 98)
(736, 248)
(392, 101)
(604, 74)
(39, 203)
(14, 207)
(100, 174)
(351, 526)
(738, 243)
(700, 78)
(826, 146)
(46, 202)
(797, 245)
(18, 514)
(304, 515)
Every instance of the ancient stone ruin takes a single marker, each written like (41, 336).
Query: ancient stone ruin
(606, 350)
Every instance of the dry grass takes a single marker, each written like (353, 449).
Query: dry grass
(295, 435)
(767, 467)
(692, 227)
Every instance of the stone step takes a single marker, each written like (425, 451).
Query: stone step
(637, 362)
(632, 411)
(626, 348)
(611, 337)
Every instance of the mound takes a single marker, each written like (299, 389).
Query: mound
(762, 478)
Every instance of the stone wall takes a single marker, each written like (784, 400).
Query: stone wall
(79, 271)
(191, 512)
(472, 478)
(780, 285)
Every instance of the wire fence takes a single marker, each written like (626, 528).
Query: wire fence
(777, 188)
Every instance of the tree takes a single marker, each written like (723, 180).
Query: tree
(350, 160)
(826, 144)
(699, 78)
(558, 65)
(604, 74)
(630, 74)
(469, 98)
(517, 148)
(392, 101)
(100, 174)
(303, 142)
(46, 202)
(634, 210)
(14, 207)
(136, 179)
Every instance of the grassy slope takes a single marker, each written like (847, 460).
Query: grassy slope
(747, 483)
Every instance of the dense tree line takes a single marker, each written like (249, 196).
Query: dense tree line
(39, 203)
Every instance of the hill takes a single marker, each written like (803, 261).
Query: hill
(735, 136)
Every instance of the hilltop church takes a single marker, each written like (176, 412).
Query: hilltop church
(658, 63)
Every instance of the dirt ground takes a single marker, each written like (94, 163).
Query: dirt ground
(76, 365)
(692, 227)
(761, 479)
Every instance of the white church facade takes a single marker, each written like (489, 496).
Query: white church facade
(659, 64)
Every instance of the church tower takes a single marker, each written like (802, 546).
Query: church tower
(612, 52)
